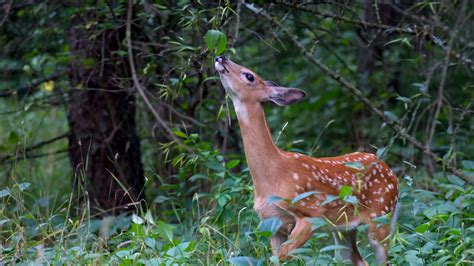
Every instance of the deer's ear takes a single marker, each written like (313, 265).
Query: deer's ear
(285, 96)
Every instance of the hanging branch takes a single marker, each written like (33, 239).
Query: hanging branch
(358, 93)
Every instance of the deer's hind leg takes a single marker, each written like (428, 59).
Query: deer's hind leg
(350, 253)
(379, 238)
(276, 241)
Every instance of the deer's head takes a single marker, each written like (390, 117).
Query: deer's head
(244, 85)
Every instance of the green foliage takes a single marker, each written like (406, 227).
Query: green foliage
(199, 208)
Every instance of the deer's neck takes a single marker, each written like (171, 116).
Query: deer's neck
(260, 150)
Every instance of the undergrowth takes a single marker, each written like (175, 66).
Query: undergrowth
(218, 226)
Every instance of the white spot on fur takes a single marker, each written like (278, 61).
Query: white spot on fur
(296, 176)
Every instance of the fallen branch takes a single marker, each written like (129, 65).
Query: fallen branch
(358, 93)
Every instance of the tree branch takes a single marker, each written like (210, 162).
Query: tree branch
(26, 151)
(28, 87)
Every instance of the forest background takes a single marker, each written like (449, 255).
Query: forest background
(118, 144)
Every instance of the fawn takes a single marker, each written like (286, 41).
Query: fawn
(286, 175)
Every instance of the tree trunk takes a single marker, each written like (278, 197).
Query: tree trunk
(104, 147)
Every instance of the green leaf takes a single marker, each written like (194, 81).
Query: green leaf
(137, 219)
(180, 134)
(469, 165)
(454, 179)
(302, 196)
(422, 228)
(270, 225)
(316, 223)
(165, 230)
(215, 166)
(197, 177)
(345, 191)
(216, 41)
(403, 99)
(23, 186)
(391, 116)
(333, 247)
(355, 165)
(232, 164)
(329, 198)
(272, 199)
(381, 152)
(351, 199)
(245, 261)
(4, 192)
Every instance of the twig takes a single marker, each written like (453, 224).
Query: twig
(34, 147)
(137, 83)
(29, 86)
(8, 6)
(32, 156)
(237, 23)
(354, 90)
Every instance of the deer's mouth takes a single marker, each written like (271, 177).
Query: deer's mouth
(220, 67)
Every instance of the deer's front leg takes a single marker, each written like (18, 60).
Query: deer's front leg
(300, 234)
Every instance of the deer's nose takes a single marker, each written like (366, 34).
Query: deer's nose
(220, 58)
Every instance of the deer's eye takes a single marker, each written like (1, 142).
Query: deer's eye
(249, 77)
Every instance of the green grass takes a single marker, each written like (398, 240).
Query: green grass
(192, 227)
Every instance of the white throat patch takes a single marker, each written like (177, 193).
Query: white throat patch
(240, 110)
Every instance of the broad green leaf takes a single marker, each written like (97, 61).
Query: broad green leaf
(180, 134)
(197, 177)
(403, 99)
(215, 166)
(454, 179)
(216, 41)
(316, 223)
(345, 191)
(355, 165)
(23, 186)
(351, 199)
(381, 152)
(137, 219)
(329, 198)
(302, 196)
(391, 116)
(4, 192)
(245, 261)
(332, 248)
(165, 230)
(272, 199)
(232, 164)
(270, 225)
(469, 165)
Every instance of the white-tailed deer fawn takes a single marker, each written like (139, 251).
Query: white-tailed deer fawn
(286, 174)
